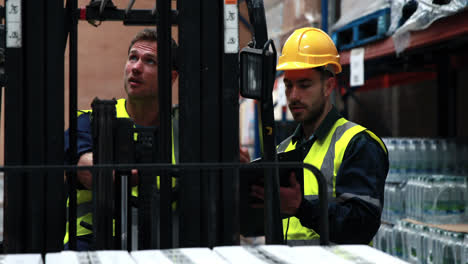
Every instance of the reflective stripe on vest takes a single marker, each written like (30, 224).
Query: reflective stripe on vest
(326, 154)
(84, 197)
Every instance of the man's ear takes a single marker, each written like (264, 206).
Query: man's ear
(330, 84)
(175, 74)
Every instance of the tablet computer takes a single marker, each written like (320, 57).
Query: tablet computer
(252, 219)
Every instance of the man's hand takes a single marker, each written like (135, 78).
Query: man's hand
(290, 197)
(244, 155)
(84, 176)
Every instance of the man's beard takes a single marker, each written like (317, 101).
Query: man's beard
(314, 115)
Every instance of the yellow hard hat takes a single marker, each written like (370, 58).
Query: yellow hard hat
(309, 48)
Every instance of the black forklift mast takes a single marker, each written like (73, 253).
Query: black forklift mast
(103, 124)
(34, 122)
(272, 218)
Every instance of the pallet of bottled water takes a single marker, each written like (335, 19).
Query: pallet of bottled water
(420, 243)
(427, 181)
(426, 156)
(434, 199)
(265, 254)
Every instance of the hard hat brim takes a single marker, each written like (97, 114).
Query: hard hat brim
(286, 66)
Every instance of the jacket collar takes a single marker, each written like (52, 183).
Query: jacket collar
(321, 131)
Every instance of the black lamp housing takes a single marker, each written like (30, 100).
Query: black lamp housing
(257, 71)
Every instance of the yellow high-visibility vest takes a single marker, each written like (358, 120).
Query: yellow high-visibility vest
(327, 155)
(84, 199)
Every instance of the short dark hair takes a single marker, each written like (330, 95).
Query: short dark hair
(150, 34)
(325, 73)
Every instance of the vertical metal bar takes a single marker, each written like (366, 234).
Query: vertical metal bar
(72, 106)
(257, 148)
(144, 210)
(230, 152)
(34, 29)
(118, 209)
(273, 224)
(147, 196)
(258, 21)
(165, 131)
(324, 5)
(129, 216)
(211, 52)
(103, 199)
(124, 154)
(14, 129)
(54, 195)
(189, 122)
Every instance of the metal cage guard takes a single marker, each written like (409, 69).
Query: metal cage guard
(322, 184)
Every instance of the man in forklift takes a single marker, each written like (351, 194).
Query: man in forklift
(353, 160)
(141, 86)
(141, 105)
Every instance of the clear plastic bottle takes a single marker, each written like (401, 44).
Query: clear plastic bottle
(452, 158)
(416, 197)
(465, 199)
(391, 192)
(400, 194)
(465, 250)
(399, 241)
(419, 194)
(458, 241)
(429, 242)
(427, 156)
(414, 243)
(397, 159)
(420, 186)
(385, 241)
(440, 243)
(450, 249)
(444, 157)
(422, 234)
(434, 163)
(428, 200)
(411, 157)
(439, 200)
(458, 202)
(393, 162)
(410, 203)
(387, 204)
(419, 156)
(403, 151)
(413, 201)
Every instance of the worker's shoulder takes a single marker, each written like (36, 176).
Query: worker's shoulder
(84, 112)
(367, 140)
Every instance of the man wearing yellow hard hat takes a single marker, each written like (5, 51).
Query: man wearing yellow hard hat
(353, 159)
